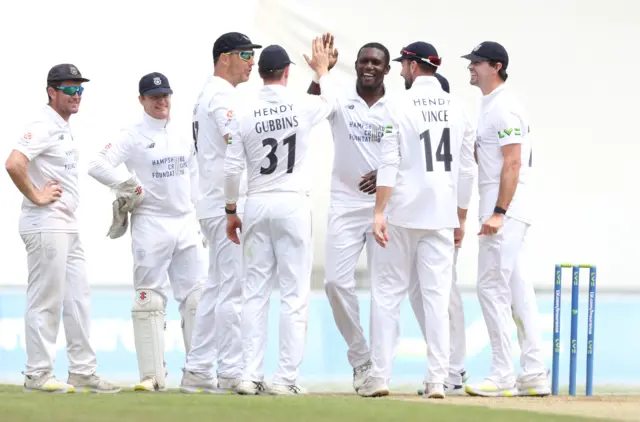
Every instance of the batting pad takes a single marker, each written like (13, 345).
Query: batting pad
(189, 316)
(148, 315)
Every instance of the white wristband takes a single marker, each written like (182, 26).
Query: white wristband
(316, 79)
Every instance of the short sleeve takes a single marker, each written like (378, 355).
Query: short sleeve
(34, 141)
(222, 108)
(508, 127)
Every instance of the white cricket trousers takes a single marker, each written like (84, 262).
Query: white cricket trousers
(167, 246)
(431, 251)
(57, 284)
(217, 330)
(506, 297)
(277, 238)
(348, 231)
(457, 329)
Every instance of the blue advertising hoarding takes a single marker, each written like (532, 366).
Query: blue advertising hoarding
(616, 343)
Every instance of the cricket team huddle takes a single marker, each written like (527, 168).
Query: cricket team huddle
(403, 172)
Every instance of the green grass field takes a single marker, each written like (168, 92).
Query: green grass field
(16, 406)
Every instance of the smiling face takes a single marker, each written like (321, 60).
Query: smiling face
(65, 97)
(371, 67)
(157, 106)
(481, 73)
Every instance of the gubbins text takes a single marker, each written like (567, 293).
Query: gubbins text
(432, 114)
(275, 123)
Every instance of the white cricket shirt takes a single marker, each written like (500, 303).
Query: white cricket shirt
(48, 144)
(212, 116)
(164, 164)
(421, 157)
(357, 130)
(271, 136)
(502, 122)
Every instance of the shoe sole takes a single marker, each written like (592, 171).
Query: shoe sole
(96, 390)
(535, 392)
(199, 390)
(378, 393)
(59, 391)
(499, 393)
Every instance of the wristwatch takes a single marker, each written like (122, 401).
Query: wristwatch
(228, 211)
(498, 210)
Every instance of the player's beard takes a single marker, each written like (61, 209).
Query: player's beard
(408, 82)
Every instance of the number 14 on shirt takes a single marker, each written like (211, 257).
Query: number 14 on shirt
(443, 152)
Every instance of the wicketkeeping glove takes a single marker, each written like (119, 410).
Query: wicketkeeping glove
(129, 195)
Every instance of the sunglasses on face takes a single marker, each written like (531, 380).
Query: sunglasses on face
(244, 55)
(71, 90)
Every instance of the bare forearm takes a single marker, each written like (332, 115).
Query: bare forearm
(382, 198)
(20, 178)
(462, 214)
(508, 184)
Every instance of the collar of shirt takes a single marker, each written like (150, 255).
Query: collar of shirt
(272, 91)
(486, 99)
(152, 122)
(222, 81)
(352, 95)
(55, 117)
(424, 80)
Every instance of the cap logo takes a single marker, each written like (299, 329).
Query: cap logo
(73, 70)
(477, 48)
(157, 80)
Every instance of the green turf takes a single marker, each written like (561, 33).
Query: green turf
(16, 406)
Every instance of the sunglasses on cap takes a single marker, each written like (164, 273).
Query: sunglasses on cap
(70, 90)
(245, 55)
(432, 60)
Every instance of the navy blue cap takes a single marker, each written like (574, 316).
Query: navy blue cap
(153, 84)
(273, 58)
(232, 41)
(65, 72)
(444, 83)
(420, 51)
(489, 50)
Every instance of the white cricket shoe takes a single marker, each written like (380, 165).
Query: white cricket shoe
(360, 375)
(491, 388)
(228, 385)
(252, 388)
(286, 390)
(193, 383)
(149, 384)
(46, 383)
(374, 387)
(536, 385)
(433, 390)
(453, 389)
(92, 384)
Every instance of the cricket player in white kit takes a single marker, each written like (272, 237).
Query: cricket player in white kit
(418, 177)
(217, 330)
(44, 167)
(357, 125)
(164, 233)
(458, 376)
(504, 177)
(271, 139)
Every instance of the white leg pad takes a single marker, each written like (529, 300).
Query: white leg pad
(189, 316)
(148, 314)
